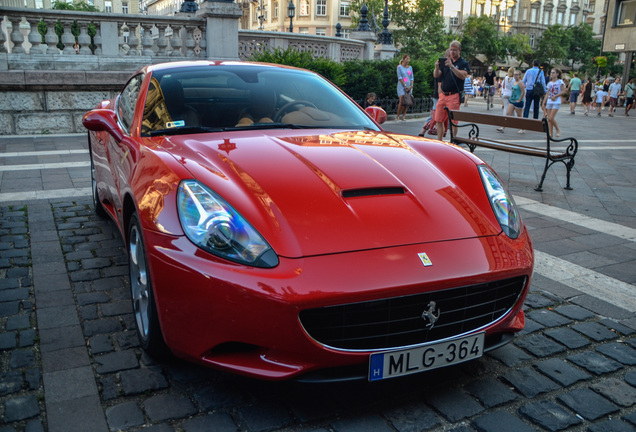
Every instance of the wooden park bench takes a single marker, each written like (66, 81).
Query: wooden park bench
(562, 153)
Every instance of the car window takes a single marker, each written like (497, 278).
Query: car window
(127, 101)
(236, 96)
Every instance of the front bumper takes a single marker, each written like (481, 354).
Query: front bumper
(246, 320)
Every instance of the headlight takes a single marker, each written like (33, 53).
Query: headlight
(211, 224)
(501, 201)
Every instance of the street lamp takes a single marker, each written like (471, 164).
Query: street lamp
(291, 12)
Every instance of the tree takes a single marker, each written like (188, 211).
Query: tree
(583, 45)
(554, 44)
(480, 37)
(75, 30)
(518, 46)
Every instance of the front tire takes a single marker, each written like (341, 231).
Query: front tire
(143, 299)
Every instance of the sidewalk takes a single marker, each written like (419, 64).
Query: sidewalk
(71, 362)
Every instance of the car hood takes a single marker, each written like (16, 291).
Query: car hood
(341, 191)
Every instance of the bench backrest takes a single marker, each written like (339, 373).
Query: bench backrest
(497, 120)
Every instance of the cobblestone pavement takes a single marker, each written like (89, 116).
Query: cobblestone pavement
(70, 360)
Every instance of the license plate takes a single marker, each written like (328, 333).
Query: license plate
(393, 364)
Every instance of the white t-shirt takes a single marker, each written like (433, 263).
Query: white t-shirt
(507, 86)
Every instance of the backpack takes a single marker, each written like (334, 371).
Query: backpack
(539, 89)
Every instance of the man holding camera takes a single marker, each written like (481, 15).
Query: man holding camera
(451, 72)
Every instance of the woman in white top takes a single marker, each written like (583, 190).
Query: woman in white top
(552, 100)
(506, 89)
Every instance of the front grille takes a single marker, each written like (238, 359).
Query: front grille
(397, 321)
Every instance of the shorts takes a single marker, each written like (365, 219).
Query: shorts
(629, 101)
(613, 101)
(553, 104)
(451, 101)
(574, 95)
(518, 104)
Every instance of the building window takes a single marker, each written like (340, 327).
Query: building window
(303, 30)
(304, 7)
(275, 9)
(573, 19)
(124, 8)
(531, 41)
(39, 4)
(346, 33)
(454, 21)
(321, 31)
(626, 12)
(560, 17)
(321, 7)
(546, 17)
(108, 6)
(344, 8)
(533, 15)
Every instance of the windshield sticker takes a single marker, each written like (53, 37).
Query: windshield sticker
(175, 124)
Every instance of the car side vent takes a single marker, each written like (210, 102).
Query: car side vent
(352, 193)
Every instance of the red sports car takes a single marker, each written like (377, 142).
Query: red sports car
(275, 230)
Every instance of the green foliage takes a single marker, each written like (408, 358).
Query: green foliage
(357, 77)
(554, 44)
(420, 27)
(76, 6)
(75, 28)
(480, 37)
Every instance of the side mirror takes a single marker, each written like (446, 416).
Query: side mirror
(377, 114)
(103, 120)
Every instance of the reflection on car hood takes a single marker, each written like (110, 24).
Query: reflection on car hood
(341, 191)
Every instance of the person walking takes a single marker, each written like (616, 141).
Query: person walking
(506, 89)
(574, 88)
(452, 75)
(587, 95)
(529, 80)
(517, 92)
(405, 83)
(489, 85)
(552, 101)
(600, 97)
(614, 92)
(468, 89)
(629, 96)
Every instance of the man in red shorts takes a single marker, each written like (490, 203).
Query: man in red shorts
(451, 76)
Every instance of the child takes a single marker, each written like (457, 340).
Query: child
(600, 96)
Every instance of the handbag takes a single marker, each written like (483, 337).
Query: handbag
(539, 89)
(408, 99)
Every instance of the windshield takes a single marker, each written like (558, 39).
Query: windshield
(212, 98)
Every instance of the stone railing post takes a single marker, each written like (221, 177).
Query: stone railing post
(16, 36)
(35, 38)
(68, 40)
(50, 38)
(221, 32)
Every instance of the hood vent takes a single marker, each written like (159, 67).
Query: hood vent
(353, 193)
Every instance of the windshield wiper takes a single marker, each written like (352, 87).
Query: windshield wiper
(184, 130)
(255, 126)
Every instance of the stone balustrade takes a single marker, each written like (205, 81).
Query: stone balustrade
(48, 82)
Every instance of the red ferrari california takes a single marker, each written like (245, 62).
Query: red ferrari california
(275, 230)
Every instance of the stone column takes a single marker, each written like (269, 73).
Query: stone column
(221, 33)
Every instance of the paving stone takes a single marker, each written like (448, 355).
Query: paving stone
(530, 327)
(124, 416)
(493, 421)
(102, 326)
(631, 418)
(613, 425)
(270, 415)
(139, 381)
(33, 378)
(22, 358)
(364, 423)
(26, 338)
(116, 362)
(491, 392)
(529, 382)
(100, 344)
(537, 301)
(8, 340)
(217, 422)
(92, 298)
(454, 404)
(568, 337)
(595, 363)
(10, 382)
(9, 308)
(412, 418)
(21, 408)
(166, 407)
(540, 345)
(613, 325)
(510, 355)
(617, 391)
(619, 352)
(221, 395)
(549, 415)
(561, 371)
(630, 378)
(588, 404)
(548, 318)
(34, 425)
(595, 331)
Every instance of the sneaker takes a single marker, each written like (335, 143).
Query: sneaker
(611, 115)
(572, 112)
(599, 114)
(500, 129)
(491, 106)
(521, 131)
